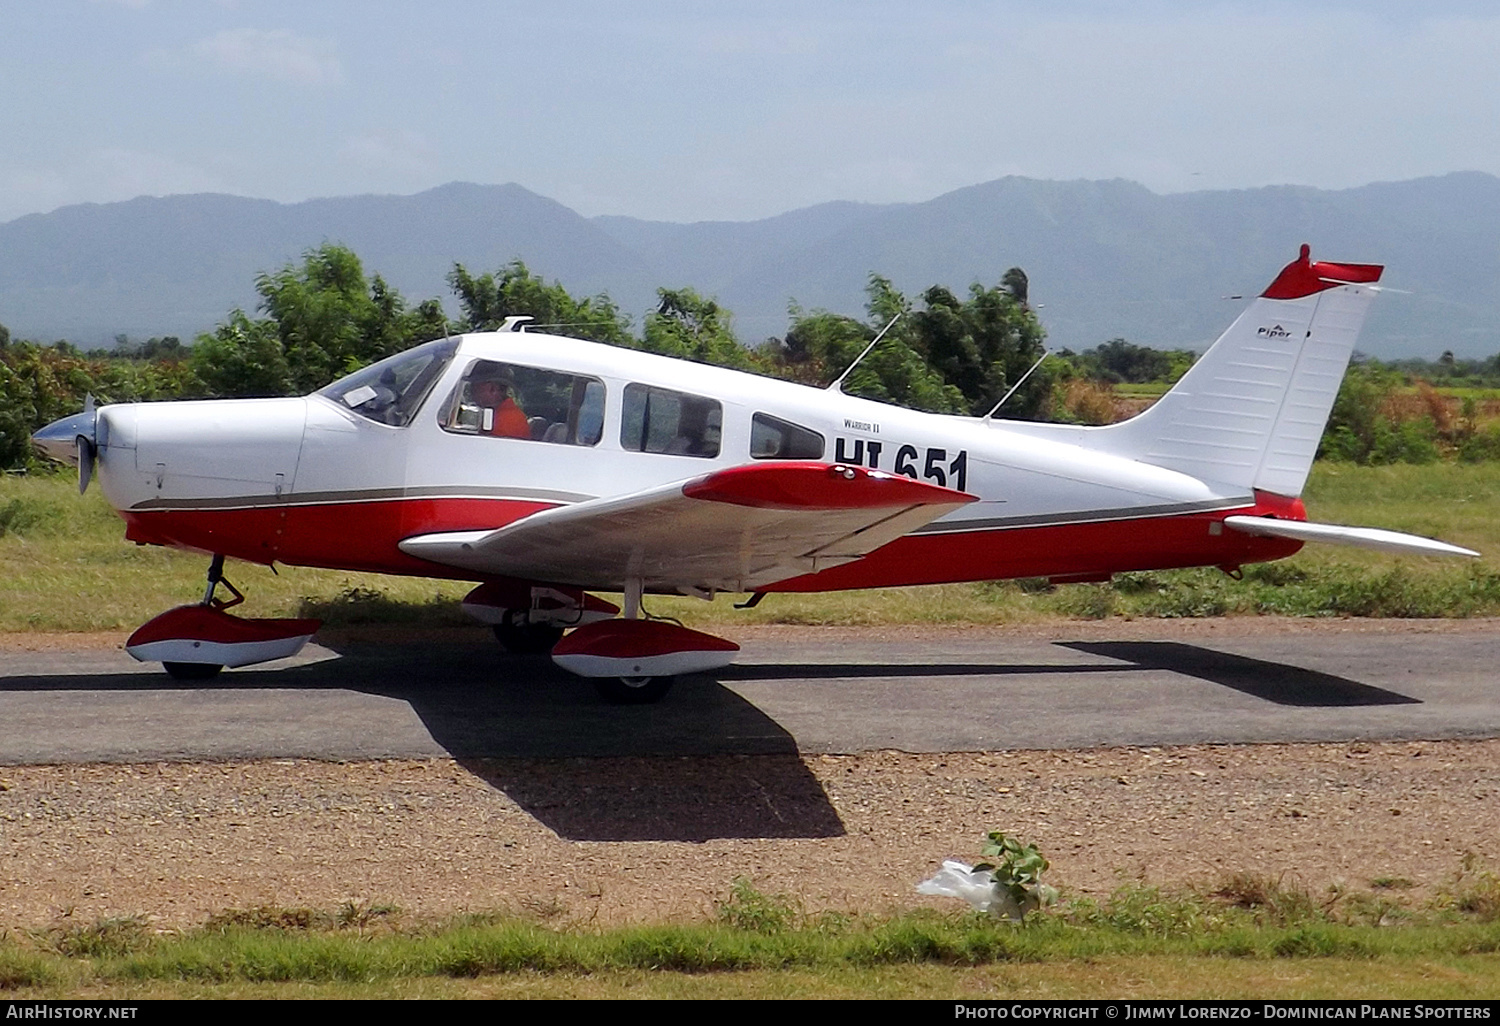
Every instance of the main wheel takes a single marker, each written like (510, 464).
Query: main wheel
(192, 671)
(633, 690)
(527, 638)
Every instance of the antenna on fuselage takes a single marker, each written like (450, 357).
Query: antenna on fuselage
(838, 382)
(517, 323)
(1017, 385)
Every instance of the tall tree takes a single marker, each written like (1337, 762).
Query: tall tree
(243, 358)
(950, 356)
(691, 327)
(513, 291)
(324, 319)
(1017, 284)
(820, 346)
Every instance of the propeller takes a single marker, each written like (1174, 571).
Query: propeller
(72, 440)
(87, 446)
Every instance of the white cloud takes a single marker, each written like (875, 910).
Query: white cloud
(104, 175)
(403, 153)
(276, 54)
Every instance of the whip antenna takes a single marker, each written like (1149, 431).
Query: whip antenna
(1017, 385)
(838, 382)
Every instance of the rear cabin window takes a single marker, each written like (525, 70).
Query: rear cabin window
(660, 420)
(772, 438)
(507, 400)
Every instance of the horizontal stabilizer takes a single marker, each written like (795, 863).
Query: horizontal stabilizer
(1336, 534)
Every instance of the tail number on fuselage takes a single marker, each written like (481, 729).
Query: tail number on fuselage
(936, 466)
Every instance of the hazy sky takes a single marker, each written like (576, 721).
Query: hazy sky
(701, 110)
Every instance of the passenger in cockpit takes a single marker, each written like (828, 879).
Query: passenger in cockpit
(503, 417)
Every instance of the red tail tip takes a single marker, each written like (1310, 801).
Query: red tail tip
(1302, 277)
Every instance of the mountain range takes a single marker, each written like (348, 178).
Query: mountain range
(1105, 259)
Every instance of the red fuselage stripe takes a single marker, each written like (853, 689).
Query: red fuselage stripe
(338, 535)
(1087, 551)
(365, 536)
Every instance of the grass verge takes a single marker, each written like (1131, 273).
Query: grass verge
(1248, 936)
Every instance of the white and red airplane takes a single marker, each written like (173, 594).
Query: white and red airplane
(545, 467)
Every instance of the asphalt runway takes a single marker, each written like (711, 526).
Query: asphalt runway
(846, 691)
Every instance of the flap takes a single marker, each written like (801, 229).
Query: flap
(732, 530)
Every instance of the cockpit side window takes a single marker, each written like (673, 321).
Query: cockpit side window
(772, 438)
(660, 420)
(508, 400)
(391, 391)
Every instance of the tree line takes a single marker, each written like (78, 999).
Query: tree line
(324, 316)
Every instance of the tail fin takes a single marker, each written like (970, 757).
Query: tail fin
(1251, 411)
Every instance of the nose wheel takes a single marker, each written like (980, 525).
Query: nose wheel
(193, 643)
(192, 671)
(633, 690)
(178, 670)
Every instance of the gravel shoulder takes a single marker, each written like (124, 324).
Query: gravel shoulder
(610, 841)
(617, 840)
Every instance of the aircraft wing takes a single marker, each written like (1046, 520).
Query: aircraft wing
(731, 530)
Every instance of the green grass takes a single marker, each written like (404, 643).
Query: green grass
(1108, 977)
(1142, 389)
(64, 566)
(1250, 936)
(1476, 392)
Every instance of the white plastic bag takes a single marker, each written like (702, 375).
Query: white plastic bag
(960, 880)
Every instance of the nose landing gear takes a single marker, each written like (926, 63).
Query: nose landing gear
(196, 642)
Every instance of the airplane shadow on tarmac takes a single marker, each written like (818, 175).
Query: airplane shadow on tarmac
(1280, 683)
(705, 763)
(1273, 682)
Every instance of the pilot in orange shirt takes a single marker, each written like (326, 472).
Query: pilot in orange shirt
(509, 420)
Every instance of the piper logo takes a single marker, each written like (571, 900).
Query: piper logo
(1277, 332)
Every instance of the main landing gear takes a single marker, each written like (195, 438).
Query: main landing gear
(194, 643)
(633, 661)
(529, 619)
(633, 690)
(518, 636)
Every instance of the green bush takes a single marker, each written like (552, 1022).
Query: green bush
(1481, 446)
(750, 910)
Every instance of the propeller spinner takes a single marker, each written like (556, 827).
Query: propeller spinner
(72, 440)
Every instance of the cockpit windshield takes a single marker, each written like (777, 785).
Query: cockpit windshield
(391, 391)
